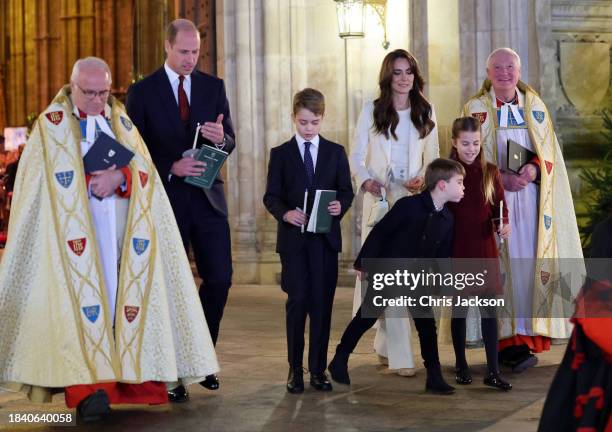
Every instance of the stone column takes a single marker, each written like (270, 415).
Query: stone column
(419, 43)
(277, 108)
(243, 71)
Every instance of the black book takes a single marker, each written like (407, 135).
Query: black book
(517, 156)
(105, 152)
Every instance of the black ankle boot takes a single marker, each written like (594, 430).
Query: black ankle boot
(435, 382)
(494, 380)
(338, 368)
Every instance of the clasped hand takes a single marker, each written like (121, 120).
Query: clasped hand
(514, 183)
(103, 183)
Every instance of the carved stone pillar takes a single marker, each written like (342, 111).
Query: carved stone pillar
(243, 72)
(418, 34)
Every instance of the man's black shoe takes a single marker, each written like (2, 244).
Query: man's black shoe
(295, 381)
(178, 395)
(211, 382)
(320, 382)
(94, 407)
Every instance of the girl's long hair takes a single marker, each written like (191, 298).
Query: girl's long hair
(470, 124)
(386, 118)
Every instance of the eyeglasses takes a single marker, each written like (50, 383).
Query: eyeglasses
(91, 94)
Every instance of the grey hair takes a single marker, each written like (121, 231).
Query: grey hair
(506, 50)
(92, 63)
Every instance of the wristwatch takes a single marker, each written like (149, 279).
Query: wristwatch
(220, 146)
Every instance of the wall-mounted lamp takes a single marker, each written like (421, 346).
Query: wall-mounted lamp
(352, 17)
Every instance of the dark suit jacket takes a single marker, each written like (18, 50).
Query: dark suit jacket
(153, 109)
(287, 183)
(411, 229)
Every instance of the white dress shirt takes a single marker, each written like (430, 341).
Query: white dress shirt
(314, 148)
(174, 82)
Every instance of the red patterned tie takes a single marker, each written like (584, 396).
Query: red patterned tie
(183, 101)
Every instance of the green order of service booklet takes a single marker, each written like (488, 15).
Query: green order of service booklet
(320, 220)
(214, 160)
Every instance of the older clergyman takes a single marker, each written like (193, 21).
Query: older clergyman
(97, 296)
(540, 207)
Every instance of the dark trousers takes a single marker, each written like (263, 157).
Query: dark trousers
(209, 235)
(309, 278)
(426, 328)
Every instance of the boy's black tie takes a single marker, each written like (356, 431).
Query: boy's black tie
(309, 165)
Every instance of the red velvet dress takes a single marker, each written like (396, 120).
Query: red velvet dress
(474, 233)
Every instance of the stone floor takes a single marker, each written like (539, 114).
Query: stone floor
(253, 398)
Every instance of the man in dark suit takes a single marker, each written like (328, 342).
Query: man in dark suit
(309, 261)
(166, 107)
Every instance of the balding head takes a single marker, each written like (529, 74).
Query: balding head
(504, 72)
(504, 50)
(88, 64)
(90, 83)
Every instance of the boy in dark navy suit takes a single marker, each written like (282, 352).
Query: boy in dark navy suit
(309, 261)
(418, 226)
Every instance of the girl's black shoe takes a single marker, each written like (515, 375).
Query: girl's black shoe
(463, 376)
(494, 380)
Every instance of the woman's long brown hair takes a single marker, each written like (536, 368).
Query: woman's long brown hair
(471, 124)
(386, 118)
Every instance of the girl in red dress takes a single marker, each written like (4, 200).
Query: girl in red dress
(474, 237)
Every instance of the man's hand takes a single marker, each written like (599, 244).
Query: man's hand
(334, 208)
(415, 184)
(296, 217)
(103, 183)
(372, 186)
(529, 172)
(187, 166)
(512, 182)
(213, 131)
(504, 232)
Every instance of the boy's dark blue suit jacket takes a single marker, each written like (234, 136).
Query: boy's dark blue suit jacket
(287, 183)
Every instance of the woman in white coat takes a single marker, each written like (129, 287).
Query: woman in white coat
(395, 139)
